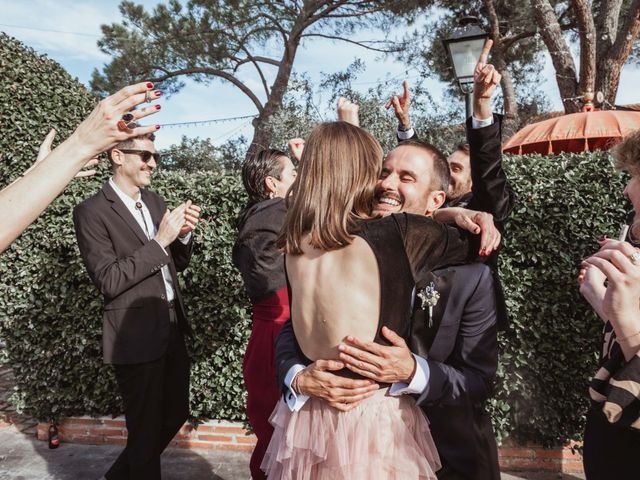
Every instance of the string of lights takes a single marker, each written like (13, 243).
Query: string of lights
(203, 123)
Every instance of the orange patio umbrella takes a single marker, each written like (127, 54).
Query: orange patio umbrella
(576, 132)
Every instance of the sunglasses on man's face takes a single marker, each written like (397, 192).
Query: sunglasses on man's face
(145, 155)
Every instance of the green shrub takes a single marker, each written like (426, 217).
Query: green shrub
(50, 314)
(563, 204)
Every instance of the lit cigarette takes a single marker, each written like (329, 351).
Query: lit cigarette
(623, 233)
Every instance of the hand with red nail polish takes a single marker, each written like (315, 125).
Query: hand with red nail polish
(98, 133)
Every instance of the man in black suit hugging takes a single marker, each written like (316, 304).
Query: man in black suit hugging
(452, 356)
(133, 247)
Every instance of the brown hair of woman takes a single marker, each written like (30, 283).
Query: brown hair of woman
(334, 187)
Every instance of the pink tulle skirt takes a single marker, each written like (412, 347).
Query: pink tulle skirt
(383, 438)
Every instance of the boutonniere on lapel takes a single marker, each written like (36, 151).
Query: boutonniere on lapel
(429, 297)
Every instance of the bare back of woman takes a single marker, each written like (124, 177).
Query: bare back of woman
(333, 294)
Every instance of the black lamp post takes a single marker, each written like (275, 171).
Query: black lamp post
(464, 47)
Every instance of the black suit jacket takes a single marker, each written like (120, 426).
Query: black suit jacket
(462, 353)
(126, 268)
(491, 192)
(461, 349)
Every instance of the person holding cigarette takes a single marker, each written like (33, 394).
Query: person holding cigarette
(610, 281)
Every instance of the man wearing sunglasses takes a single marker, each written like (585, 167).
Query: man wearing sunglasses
(133, 247)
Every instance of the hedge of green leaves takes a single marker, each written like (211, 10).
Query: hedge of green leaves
(50, 314)
(563, 204)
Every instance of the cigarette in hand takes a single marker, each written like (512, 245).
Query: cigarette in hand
(623, 233)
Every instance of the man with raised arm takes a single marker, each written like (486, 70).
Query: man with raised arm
(478, 181)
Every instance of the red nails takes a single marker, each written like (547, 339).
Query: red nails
(157, 127)
(157, 93)
(149, 85)
(158, 107)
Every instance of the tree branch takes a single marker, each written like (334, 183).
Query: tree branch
(627, 35)
(254, 61)
(275, 22)
(509, 41)
(209, 71)
(587, 31)
(362, 44)
(331, 7)
(251, 58)
(561, 57)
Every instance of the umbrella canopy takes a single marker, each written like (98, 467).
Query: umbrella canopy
(576, 132)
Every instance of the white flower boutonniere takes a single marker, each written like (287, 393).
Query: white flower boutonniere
(429, 297)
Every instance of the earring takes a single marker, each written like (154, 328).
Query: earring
(270, 195)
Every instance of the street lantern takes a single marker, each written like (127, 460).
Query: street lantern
(464, 47)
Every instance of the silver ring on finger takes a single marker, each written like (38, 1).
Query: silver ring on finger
(634, 258)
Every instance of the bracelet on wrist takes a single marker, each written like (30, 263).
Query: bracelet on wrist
(403, 128)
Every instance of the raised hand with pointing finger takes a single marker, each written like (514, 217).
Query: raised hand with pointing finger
(485, 80)
(401, 106)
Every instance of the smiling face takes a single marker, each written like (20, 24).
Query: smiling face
(129, 167)
(406, 183)
(460, 171)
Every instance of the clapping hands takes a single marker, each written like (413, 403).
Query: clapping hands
(178, 222)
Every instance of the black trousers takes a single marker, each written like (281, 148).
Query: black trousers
(610, 452)
(156, 404)
(448, 473)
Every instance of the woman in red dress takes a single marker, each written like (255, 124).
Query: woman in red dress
(266, 176)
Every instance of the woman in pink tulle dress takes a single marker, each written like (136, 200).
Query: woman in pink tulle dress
(349, 274)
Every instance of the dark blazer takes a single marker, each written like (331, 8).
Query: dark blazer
(461, 349)
(491, 190)
(125, 267)
(491, 193)
(462, 352)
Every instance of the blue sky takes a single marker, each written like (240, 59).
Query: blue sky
(46, 22)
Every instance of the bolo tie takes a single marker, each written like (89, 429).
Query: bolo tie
(146, 228)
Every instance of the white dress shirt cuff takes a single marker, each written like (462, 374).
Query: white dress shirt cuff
(481, 123)
(405, 135)
(184, 240)
(419, 382)
(294, 401)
